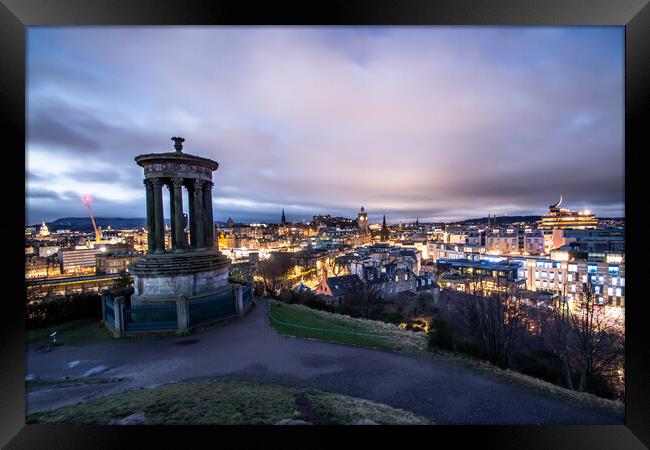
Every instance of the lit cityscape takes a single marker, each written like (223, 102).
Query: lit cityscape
(370, 184)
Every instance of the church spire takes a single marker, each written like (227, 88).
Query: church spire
(283, 220)
(384, 234)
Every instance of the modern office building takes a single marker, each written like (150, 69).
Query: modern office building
(562, 218)
(78, 260)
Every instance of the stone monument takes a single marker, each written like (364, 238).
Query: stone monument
(190, 265)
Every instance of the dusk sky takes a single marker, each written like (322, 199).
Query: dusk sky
(435, 123)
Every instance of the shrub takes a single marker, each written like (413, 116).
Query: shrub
(52, 311)
(440, 335)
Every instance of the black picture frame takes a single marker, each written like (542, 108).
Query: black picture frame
(16, 15)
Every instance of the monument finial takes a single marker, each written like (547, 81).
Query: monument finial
(178, 143)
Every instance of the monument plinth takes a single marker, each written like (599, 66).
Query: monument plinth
(191, 264)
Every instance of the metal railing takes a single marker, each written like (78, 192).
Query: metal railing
(215, 307)
(247, 294)
(110, 312)
(150, 317)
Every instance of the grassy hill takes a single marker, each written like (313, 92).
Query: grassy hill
(304, 322)
(231, 402)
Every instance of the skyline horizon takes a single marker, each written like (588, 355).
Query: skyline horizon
(303, 219)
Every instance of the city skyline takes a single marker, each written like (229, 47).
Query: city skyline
(435, 123)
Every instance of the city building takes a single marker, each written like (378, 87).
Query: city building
(384, 233)
(482, 277)
(43, 231)
(41, 267)
(81, 260)
(561, 218)
(362, 221)
(442, 250)
(338, 288)
(107, 263)
(47, 250)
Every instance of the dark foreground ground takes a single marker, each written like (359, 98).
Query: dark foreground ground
(250, 349)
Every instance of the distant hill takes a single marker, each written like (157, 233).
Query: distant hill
(501, 220)
(85, 224)
(507, 220)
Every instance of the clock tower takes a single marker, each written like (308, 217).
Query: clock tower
(362, 221)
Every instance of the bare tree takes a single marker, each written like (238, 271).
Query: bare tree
(365, 297)
(336, 266)
(560, 336)
(274, 271)
(586, 340)
(495, 316)
(596, 343)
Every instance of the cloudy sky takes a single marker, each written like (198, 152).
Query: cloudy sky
(435, 123)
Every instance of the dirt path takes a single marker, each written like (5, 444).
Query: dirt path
(250, 349)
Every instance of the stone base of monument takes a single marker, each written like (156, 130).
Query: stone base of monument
(164, 277)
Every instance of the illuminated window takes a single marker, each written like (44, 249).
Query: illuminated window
(573, 267)
(573, 288)
(569, 277)
(613, 269)
(592, 268)
(610, 291)
(618, 292)
(622, 281)
(614, 281)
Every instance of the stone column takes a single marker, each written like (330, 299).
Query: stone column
(158, 216)
(199, 230)
(172, 209)
(207, 214)
(151, 230)
(190, 213)
(177, 218)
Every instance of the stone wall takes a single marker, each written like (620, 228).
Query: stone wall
(186, 284)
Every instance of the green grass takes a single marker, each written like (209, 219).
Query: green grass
(76, 332)
(298, 315)
(229, 402)
(414, 343)
(32, 385)
(398, 339)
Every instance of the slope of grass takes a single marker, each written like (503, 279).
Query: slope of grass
(414, 343)
(230, 402)
(76, 332)
(301, 321)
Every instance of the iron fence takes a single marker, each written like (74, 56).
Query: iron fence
(214, 307)
(150, 317)
(109, 312)
(247, 295)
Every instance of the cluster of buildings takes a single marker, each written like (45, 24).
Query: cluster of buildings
(65, 253)
(562, 254)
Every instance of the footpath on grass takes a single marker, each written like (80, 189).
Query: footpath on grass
(404, 376)
(301, 321)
